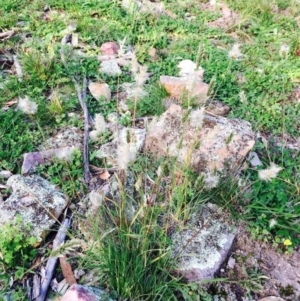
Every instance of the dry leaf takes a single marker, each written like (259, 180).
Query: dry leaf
(105, 175)
(67, 270)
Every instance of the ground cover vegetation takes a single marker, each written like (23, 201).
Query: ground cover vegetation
(253, 67)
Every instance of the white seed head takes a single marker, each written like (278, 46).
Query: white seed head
(196, 118)
(66, 153)
(100, 124)
(134, 65)
(235, 52)
(27, 106)
(125, 154)
(272, 223)
(142, 76)
(269, 173)
(211, 181)
(284, 50)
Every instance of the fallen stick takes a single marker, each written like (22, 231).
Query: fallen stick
(6, 35)
(52, 261)
(81, 94)
(87, 174)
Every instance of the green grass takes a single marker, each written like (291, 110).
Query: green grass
(264, 98)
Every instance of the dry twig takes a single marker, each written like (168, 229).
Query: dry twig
(6, 35)
(51, 263)
(81, 94)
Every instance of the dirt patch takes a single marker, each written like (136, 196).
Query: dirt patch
(282, 270)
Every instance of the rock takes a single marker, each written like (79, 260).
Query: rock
(99, 90)
(220, 141)
(68, 137)
(203, 245)
(181, 86)
(218, 108)
(254, 159)
(231, 263)
(133, 91)
(153, 54)
(110, 67)
(271, 298)
(109, 48)
(85, 293)
(189, 68)
(36, 201)
(5, 174)
(33, 159)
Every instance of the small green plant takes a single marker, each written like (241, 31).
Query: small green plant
(67, 174)
(16, 247)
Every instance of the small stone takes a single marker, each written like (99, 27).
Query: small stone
(100, 90)
(231, 263)
(254, 159)
(109, 48)
(153, 54)
(78, 292)
(182, 86)
(110, 67)
(5, 174)
(218, 108)
(188, 68)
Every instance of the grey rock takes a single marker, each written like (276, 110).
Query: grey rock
(36, 201)
(203, 245)
(5, 174)
(33, 159)
(254, 159)
(110, 67)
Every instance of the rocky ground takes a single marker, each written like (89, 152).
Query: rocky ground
(93, 162)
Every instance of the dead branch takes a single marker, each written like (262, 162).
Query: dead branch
(87, 174)
(6, 35)
(52, 261)
(81, 94)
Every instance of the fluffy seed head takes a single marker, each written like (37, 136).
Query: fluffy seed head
(66, 153)
(269, 173)
(211, 181)
(284, 50)
(235, 52)
(196, 118)
(27, 106)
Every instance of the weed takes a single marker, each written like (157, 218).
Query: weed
(16, 248)
(66, 174)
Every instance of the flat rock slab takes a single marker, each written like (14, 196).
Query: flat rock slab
(36, 201)
(33, 159)
(218, 143)
(203, 245)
